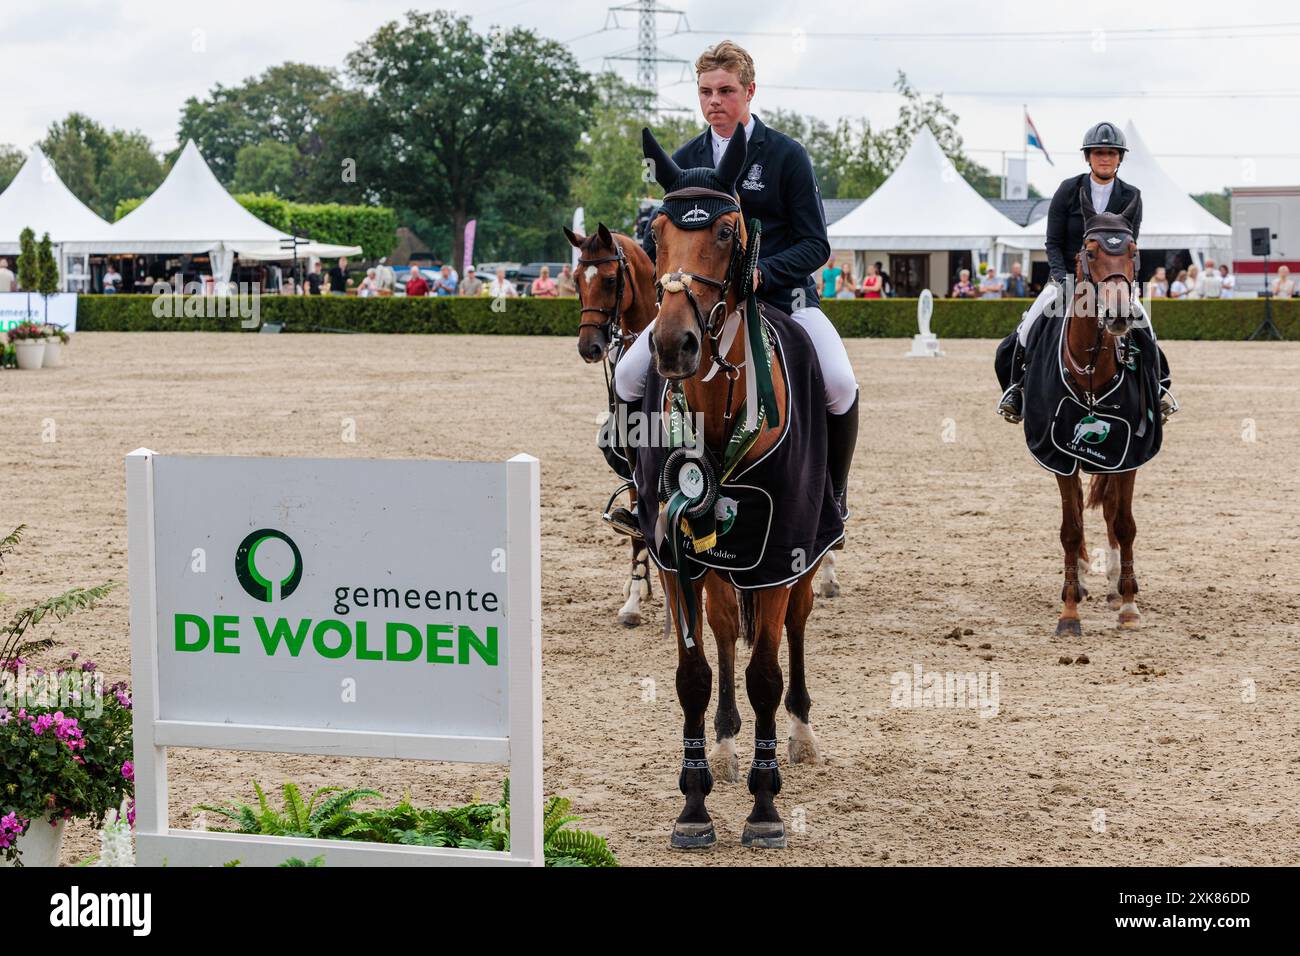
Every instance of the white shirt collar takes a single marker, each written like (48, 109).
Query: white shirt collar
(720, 144)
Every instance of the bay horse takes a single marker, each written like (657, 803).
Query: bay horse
(700, 291)
(1100, 316)
(615, 284)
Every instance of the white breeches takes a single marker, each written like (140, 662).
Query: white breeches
(1049, 293)
(837, 372)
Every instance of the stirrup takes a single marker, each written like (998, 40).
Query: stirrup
(621, 519)
(1009, 408)
(1168, 404)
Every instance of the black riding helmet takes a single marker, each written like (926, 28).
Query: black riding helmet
(1104, 136)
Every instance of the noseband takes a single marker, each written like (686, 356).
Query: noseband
(612, 327)
(741, 261)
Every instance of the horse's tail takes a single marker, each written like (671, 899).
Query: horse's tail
(745, 603)
(1097, 490)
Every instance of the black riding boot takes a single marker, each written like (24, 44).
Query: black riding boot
(1012, 405)
(841, 440)
(620, 459)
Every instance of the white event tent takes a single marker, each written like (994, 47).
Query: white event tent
(924, 206)
(1171, 218)
(192, 212)
(38, 198)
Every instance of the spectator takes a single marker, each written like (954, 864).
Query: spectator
(1158, 285)
(1227, 282)
(1178, 290)
(287, 287)
(887, 287)
(848, 285)
(1193, 279)
(991, 285)
(1283, 285)
(963, 289)
(112, 279)
(473, 285)
(830, 279)
(873, 286)
(1211, 286)
(544, 286)
(370, 284)
(416, 284)
(339, 280)
(385, 277)
(315, 279)
(7, 281)
(564, 285)
(501, 286)
(445, 283)
(1017, 287)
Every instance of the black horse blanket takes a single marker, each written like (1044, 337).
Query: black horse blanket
(776, 516)
(1119, 432)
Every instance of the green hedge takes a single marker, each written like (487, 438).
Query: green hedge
(890, 318)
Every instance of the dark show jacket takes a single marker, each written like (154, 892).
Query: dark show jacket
(1065, 220)
(779, 189)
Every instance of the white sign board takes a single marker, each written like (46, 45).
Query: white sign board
(343, 607)
(60, 309)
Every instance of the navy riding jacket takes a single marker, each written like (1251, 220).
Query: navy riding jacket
(779, 189)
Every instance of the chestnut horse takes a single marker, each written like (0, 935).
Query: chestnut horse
(697, 297)
(616, 295)
(1100, 316)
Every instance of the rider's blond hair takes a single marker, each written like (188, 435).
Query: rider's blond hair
(730, 56)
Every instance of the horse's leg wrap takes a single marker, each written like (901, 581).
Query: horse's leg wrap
(764, 759)
(694, 758)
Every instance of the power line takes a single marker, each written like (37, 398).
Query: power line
(1235, 31)
(1049, 94)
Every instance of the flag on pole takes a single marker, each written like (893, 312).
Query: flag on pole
(470, 228)
(1032, 137)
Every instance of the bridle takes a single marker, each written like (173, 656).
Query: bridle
(739, 266)
(615, 334)
(1101, 233)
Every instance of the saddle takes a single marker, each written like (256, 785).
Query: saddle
(772, 519)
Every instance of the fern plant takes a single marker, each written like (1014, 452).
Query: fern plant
(475, 826)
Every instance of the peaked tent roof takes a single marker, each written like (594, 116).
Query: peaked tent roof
(190, 212)
(1171, 219)
(38, 198)
(924, 204)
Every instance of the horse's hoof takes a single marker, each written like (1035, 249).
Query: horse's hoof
(693, 836)
(725, 766)
(1113, 601)
(764, 836)
(630, 620)
(1129, 622)
(830, 588)
(1069, 626)
(804, 751)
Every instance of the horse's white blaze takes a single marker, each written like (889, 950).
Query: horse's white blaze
(830, 583)
(589, 273)
(803, 742)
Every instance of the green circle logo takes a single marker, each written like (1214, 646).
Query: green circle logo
(256, 584)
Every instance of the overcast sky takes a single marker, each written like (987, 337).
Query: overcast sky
(1207, 83)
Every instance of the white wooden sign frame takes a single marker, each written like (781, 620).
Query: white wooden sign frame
(157, 843)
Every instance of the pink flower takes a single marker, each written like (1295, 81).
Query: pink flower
(128, 771)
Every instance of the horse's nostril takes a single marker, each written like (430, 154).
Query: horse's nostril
(690, 345)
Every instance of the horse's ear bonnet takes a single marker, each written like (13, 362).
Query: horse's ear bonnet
(1114, 230)
(695, 210)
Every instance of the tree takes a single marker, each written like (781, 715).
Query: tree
(11, 160)
(610, 179)
(451, 114)
(267, 167)
(286, 104)
(101, 167)
(29, 269)
(1218, 205)
(133, 171)
(47, 273)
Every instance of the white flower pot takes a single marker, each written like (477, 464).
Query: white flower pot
(40, 844)
(53, 353)
(30, 352)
